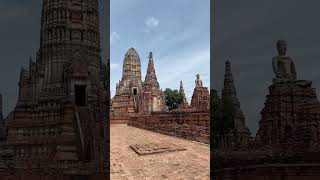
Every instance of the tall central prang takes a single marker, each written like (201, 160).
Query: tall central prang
(60, 119)
(70, 50)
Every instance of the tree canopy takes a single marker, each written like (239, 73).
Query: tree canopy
(173, 98)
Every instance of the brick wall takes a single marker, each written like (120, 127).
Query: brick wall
(119, 118)
(193, 126)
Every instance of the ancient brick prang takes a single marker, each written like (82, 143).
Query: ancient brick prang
(131, 82)
(61, 113)
(126, 99)
(236, 134)
(229, 91)
(151, 98)
(184, 103)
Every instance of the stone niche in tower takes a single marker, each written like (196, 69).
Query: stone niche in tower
(76, 16)
(77, 79)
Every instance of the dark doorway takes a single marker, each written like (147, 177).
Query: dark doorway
(135, 91)
(80, 95)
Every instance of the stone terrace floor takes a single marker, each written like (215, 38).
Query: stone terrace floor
(192, 163)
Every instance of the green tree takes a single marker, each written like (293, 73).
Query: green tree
(173, 98)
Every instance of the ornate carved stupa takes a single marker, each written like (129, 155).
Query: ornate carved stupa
(125, 101)
(131, 82)
(200, 97)
(151, 98)
(239, 134)
(59, 124)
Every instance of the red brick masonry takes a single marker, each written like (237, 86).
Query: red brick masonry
(193, 126)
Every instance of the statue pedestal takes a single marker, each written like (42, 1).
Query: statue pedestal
(303, 83)
(290, 116)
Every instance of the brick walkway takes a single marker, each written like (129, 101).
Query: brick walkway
(192, 163)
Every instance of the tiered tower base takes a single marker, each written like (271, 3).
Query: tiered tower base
(287, 142)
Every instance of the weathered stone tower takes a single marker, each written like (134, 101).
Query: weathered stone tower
(239, 135)
(229, 91)
(59, 122)
(152, 97)
(125, 101)
(131, 82)
(184, 103)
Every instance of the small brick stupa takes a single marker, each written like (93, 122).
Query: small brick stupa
(200, 98)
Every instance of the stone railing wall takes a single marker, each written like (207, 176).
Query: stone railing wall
(193, 126)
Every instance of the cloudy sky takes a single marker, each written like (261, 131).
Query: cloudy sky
(20, 39)
(245, 32)
(178, 34)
